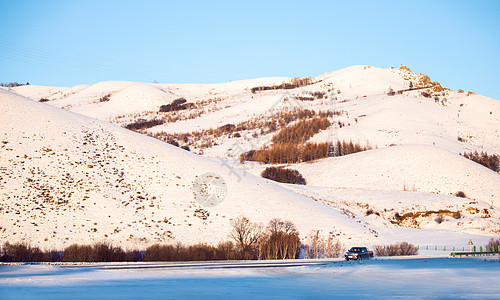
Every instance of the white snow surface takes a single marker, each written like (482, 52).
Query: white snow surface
(416, 278)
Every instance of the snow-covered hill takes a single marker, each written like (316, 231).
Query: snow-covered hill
(66, 178)
(406, 168)
(455, 121)
(68, 175)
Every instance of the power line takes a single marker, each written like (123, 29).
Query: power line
(43, 57)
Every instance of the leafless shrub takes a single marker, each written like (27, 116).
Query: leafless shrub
(369, 212)
(426, 94)
(379, 250)
(105, 98)
(304, 98)
(179, 101)
(176, 105)
(494, 244)
(398, 249)
(173, 143)
(318, 94)
(283, 175)
(439, 219)
(43, 100)
(406, 248)
(460, 194)
(457, 215)
(143, 124)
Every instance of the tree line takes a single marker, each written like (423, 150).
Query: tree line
(294, 83)
(295, 153)
(279, 239)
(13, 84)
(490, 161)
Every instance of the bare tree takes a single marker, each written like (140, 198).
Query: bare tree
(282, 240)
(320, 247)
(245, 234)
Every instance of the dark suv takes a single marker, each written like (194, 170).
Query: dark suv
(358, 253)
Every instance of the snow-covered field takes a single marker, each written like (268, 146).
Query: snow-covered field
(408, 277)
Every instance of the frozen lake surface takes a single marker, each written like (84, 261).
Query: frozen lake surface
(379, 278)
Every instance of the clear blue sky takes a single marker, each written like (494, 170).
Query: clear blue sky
(64, 43)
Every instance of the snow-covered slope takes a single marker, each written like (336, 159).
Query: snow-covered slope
(73, 177)
(406, 168)
(66, 178)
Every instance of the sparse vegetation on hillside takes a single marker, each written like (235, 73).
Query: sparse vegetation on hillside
(294, 83)
(491, 161)
(311, 96)
(174, 112)
(264, 124)
(177, 104)
(283, 175)
(413, 219)
(105, 98)
(142, 124)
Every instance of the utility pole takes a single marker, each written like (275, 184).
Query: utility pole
(333, 149)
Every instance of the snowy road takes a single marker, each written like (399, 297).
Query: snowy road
(472, 278)
(206, 265)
